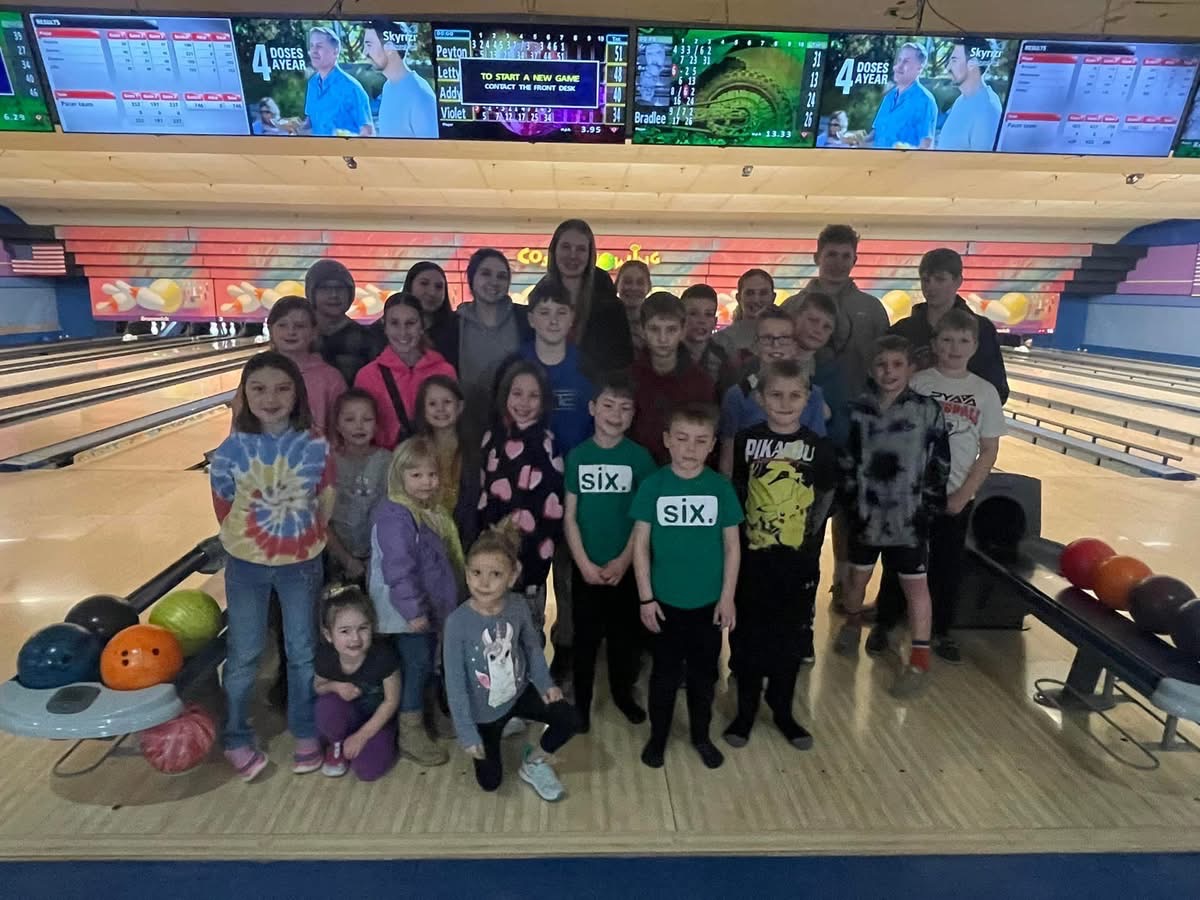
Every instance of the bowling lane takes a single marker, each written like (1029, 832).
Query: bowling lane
(126, 349)
(50, 430)
(1140, 412)
(129, 378)
(173, 449)
(1162, 393)
(1189, 387)
(104, 364)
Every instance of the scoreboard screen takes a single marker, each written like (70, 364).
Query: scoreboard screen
(532, 83)
(1093, 98)
(728, 88)
(22, 102)
(142, 74)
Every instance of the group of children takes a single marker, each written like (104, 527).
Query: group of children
(438, 549)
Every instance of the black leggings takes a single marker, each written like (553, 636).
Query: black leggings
(688, 638)
(560, 716)
(611, 614)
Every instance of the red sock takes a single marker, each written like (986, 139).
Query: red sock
(920, 655)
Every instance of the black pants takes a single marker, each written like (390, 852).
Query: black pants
(611, 614)
(688, 638)
(560, 716)
(947, 557)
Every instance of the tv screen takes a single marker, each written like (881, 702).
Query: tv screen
(532, 83)
(914, 92)
(338, 78)
(727, 88)
(1189, 137)
(1095, 98)
(141, 74)
(22, 102)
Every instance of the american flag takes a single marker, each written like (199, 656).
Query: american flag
(36, 257)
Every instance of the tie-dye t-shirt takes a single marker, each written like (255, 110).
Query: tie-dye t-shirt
(273, 495)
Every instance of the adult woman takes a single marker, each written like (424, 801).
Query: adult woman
(601, 328)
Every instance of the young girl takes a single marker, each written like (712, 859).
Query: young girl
(427, 282)
(522, 477)
(416, 568)
(358, 689)
(633, 286)
(440, 404)
(272, 487)
(495, 669)
(361, 483)
(394, 377)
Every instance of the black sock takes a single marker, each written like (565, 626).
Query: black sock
(584, 715)
(630, 709)
(793, 732)
(709, 754)
(737, 733)
(653, 753)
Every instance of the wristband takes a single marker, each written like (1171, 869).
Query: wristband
(647, 602)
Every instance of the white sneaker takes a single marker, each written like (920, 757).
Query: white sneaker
(513, 727)
(540, 776)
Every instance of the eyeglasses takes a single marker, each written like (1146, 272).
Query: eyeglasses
(781, 340)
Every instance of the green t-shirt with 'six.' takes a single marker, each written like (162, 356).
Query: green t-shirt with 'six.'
(604, 482)
(686, 516)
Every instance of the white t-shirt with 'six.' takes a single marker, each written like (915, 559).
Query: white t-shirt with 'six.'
(972, 409)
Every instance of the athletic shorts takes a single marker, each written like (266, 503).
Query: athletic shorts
(907, 562)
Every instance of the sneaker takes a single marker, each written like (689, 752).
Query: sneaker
(247, 762)
(847, 640)
(335, 765)
(808, 655)
(877, 641)
(513, 727)
(307, 756)
(948, 650)
(540, 776)
(910, 682)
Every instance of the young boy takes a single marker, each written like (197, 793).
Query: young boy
(685, 556)
(603, 473)
(700, 307)
(975, 421)
(894, 473)
(664, 375)
(785, 475)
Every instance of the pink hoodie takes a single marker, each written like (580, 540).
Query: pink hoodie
(408, 381)
(323, 384)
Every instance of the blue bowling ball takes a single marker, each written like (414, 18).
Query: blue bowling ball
(59, 655)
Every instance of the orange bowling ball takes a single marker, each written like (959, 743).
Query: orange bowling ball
(140, 656)
(1115, 578)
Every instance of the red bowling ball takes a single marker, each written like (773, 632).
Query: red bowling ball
(1080, 559)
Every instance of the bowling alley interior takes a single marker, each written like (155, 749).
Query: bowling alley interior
(1013, 709)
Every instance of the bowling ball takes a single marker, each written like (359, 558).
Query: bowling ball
(139, 657)
(103, 615)
(1079, 560)
(1185, 629)
(192, 616)
(180, 744)
(1115, 578)
(1154, 601)
(59, 655)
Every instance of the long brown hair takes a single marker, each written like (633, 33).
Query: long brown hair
(300, 418)
(582, 302)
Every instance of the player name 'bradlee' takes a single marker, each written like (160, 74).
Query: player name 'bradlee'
(649, 118)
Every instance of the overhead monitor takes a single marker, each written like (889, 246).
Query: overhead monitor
(338, 78)
(1096, 98)
(914, 92)
(1189, 136)
(532, 82)
(727, 88)
(141, 74)
(22, 100)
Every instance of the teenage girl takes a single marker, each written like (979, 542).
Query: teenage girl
(272, 487)
(633, 286)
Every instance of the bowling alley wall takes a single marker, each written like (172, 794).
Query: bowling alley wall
(201, 274)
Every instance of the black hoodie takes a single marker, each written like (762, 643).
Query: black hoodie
(607, 345)
(987, 362)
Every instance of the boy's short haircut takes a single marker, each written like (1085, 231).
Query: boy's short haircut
(619, 384)
(958, 320)
(942, 260)
(784, 368)
(694, 413)
(700, 292)
(837, 234)
(775, 313)
(548, 290)
(820, 302)
(664, 305)
(756, 273)
(892, 343)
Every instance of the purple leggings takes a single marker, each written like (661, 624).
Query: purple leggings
(337, 719)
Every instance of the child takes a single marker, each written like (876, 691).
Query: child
(785, 474)
(685, 555)
(664, 374)
(522, 478)
(603, 474)
(975, 420)
(440, 405)
(495, 669)
(358, 689)
(394, 377)
(416, 567)
(272, 487)
(700, 307)
(361, 482)
(755, 292)
(894, 473)
(633, 286)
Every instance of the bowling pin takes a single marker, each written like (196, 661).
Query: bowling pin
(154, 328)
(212, 328)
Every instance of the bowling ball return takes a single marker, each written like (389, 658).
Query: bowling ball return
(87, 711)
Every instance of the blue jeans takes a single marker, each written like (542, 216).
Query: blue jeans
(416, 665)
(247, 597)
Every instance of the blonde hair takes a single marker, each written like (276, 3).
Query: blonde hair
(408, 455)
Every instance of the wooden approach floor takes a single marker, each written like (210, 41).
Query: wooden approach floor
(973, 766)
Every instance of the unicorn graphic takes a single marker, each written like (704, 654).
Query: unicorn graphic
(500, 680)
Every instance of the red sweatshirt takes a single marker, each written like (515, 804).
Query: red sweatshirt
(657, 395)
